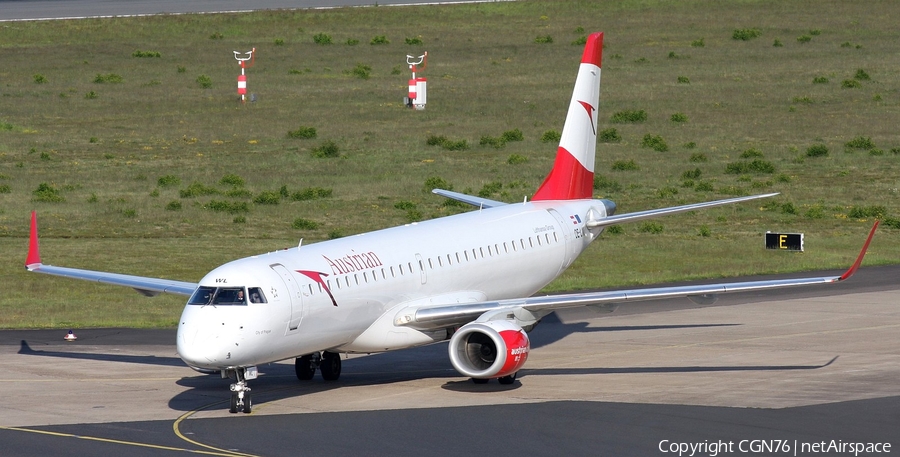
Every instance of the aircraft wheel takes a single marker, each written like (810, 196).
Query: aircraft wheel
(234, 401)
(331, 366)
(305, 367)
(248, 404)
(480, 380)
(506, 380)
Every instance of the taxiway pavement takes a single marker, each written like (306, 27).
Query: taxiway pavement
(809, 365)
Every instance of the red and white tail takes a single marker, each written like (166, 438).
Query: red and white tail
(572, 176)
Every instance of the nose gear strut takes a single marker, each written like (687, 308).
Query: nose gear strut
(240, 391)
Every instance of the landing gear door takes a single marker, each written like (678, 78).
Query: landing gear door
(292, 290)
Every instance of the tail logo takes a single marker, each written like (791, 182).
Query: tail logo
(590, 111)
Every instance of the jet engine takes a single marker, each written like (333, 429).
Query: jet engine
(491, 349)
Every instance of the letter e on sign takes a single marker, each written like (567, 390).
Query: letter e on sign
(784, 241)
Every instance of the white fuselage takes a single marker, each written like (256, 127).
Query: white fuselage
(342, 295)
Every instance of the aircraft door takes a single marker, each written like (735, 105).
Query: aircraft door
(293, 295)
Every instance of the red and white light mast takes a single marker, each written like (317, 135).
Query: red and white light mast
(417, 86)
(243, 58)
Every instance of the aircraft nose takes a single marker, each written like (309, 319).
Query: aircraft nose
(196, 345)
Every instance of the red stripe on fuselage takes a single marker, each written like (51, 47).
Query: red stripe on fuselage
(569, 180)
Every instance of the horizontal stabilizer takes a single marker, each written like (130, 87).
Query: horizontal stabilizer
(653, 213)
(468, 199)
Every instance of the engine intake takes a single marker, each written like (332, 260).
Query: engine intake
(489, 349)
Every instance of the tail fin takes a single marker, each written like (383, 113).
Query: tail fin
(572, 176)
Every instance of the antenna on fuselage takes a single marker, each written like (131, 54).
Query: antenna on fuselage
(300, 243)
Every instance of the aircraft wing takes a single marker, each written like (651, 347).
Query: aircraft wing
(144, 285)
(533, 308)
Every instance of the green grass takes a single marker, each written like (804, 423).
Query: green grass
(114, 156)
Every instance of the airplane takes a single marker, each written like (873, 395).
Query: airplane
(468, 278)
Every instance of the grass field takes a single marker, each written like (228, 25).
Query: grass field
(127, 137)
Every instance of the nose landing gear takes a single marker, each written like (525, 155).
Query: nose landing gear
(240, 391)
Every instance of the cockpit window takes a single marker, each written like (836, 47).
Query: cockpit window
(257, 295)
(230, 296)
(202, 296)
(221, 296)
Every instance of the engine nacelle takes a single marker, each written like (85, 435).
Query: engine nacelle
(489, 349)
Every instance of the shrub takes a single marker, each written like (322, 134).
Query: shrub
(860, 142)
(173, 205)
(47, 193)
(651, 227)
(604, 183)
(876, 152)
(460, 145)
(803, 39)
(580, 41)
(216, 36)
(5, 189)
(544, 39)
(625, 165)
(414, 41)
(698, 43)
(704, 231)
(704, 186)
(90, 95)
(204, 81)
(615, 230)
(654, 142)
(380, 39)
(850, 84)
(39, 79)
(361, 71)
(550, 136)
(512, 135)
(861, 75)
(745, 34)
(145, 54)
(108, 78)
(820, 80)
(678, 117)
(863, 212)
(698, 157)
(304, 224)
(817, 150)
(492, 141)
(279, 42)
(490, 189)
(352, 42)
(436, 140)
(666, 192)
(515, 159)
(692, 174)
(757, 166)
(405, 205)
(267, 198)
(610, 135)
(302, 132)
(311, 193)
(238, 192)
(623, 117)
(197, 189)
(684, 80)
(168, 181)
(777, 43)
(436, 182)
(232, 180)
(325, 150)
(322, 38)
(751, 153)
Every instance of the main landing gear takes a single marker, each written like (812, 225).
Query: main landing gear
(328, 363)
(240, 391)
(505, 380)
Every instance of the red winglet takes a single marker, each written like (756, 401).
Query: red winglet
(862, 254)
(593, 49)
(34, 254)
